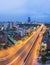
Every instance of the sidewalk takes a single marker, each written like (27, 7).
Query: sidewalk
(5, 53)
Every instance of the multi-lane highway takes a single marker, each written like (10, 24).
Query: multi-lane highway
(32, 58)
(21, 55)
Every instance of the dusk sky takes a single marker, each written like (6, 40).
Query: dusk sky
(19, 10)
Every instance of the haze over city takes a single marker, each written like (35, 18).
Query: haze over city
(19, 10)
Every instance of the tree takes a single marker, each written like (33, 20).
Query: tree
(43, 59)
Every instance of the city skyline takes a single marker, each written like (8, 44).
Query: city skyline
(19, 10)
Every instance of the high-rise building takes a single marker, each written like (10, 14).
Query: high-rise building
(29, 19)
(10, 25)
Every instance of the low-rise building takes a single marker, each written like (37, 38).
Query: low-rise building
(28, 31)
(21, 32)
(48, 44)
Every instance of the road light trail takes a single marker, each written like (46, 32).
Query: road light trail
(23, 51)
